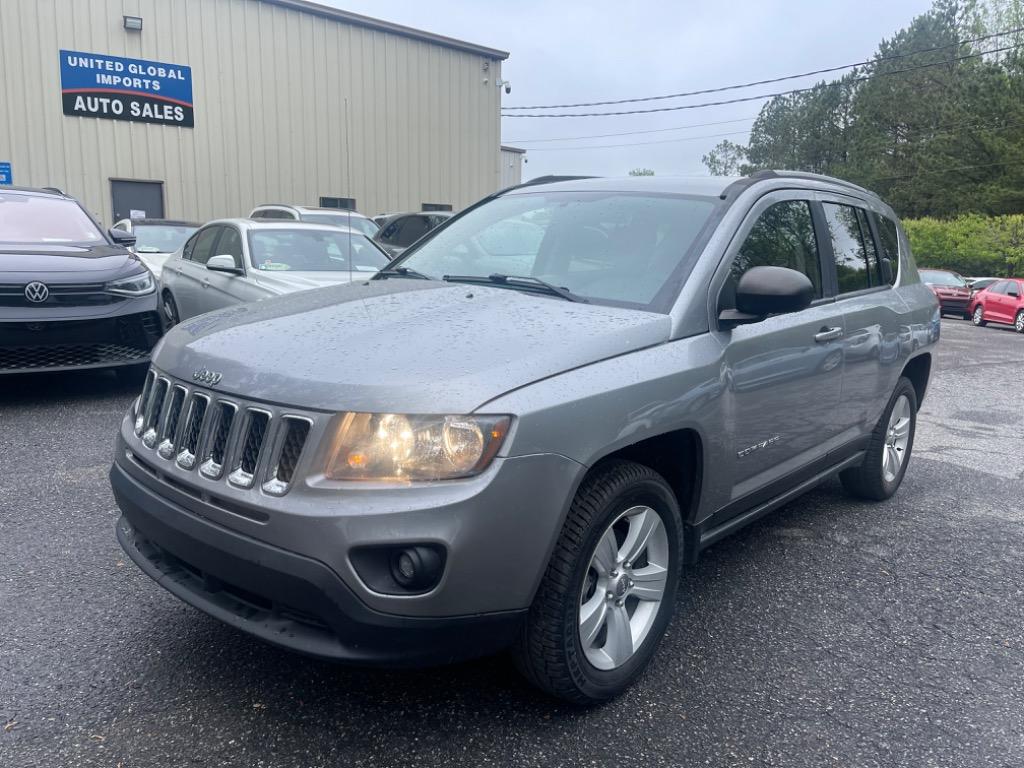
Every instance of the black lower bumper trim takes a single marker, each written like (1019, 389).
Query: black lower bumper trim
(285, 598)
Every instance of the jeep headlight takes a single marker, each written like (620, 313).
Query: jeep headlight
(134, 285)
(393, 447)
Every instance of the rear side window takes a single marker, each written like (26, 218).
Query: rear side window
(783, 236)
(853, 268)
(888, 236)
(231, 245)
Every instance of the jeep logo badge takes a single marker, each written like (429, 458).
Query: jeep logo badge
(205, 376)
(37, 292)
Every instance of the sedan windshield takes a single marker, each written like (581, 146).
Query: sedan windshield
(611, 247)
(160, 238)
(42, 219)
(313, 250)
(938, 277)
(357, 223)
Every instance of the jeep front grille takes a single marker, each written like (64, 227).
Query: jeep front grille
(202, 431)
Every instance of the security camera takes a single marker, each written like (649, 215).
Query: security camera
(508, 87)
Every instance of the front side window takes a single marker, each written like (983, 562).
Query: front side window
(160, 238)
(313, 250)
(405, 231)
(45, 220)
(782, 236)
(230, 244)
(852, 267)
(615, 247)
(202, 246)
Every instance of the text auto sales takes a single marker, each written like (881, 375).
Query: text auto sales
(126, 89)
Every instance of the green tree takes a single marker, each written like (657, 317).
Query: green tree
(726, 159)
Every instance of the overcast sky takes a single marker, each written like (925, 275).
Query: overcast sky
(567, 52)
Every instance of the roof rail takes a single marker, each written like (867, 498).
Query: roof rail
(811, 177)
(54, 190)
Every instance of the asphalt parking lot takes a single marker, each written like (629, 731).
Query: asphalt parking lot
(831, 633)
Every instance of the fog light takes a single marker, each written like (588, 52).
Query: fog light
(416, 568)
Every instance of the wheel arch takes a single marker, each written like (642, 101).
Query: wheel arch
(918, 370)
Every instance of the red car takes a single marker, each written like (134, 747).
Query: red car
(1001, 302)
(950, 289)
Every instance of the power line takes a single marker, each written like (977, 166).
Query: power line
(768, 95)
(630, 133)
(945, 170)
(938, 132)
(738, 86)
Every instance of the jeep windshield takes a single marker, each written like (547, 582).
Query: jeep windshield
(615, 248)
(45, 220)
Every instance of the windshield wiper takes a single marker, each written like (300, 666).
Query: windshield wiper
(400, 272)
(518, 281)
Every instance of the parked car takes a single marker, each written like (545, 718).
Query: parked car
(445, 460)
(234, 261)
(400, 230)
(1002, 302)
(337, 217)
(71, 295)
(950, 289)
(156, 239)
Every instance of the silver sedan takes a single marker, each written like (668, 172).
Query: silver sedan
(233, 261)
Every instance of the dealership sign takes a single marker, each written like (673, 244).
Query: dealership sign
(97, 85)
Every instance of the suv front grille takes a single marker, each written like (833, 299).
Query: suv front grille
(202, 431)
(60, 295)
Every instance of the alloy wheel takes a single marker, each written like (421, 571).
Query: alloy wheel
(624, 587)
(979, 315)
(1019, 322)
(896, 438)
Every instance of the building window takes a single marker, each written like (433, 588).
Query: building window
(436, 207)
(345, 203)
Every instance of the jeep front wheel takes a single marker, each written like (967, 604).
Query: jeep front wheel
(609, 590)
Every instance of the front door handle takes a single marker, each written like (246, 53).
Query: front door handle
(828, 334)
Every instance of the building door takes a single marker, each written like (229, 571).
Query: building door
(137, 199)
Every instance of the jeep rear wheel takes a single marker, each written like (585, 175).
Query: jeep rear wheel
(888, 452)
(609, 590)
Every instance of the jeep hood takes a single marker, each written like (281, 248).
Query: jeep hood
(400, 345)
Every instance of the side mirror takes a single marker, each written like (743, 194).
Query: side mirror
(121, 237)
(764, 291)
(223, 263)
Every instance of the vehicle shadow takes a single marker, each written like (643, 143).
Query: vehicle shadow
(39, 388)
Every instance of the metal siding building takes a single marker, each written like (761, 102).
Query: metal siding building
(293, 102)
(512, 166)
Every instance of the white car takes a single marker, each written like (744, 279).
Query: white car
(338, 217)
(233, 261)
(156, 239)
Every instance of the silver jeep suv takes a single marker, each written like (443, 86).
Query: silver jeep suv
(520, 431)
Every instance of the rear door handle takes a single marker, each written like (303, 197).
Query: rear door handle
(828, 334)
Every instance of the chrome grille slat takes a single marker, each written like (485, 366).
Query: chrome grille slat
(170, 422)
(218, 440)
(252, 438)
(153, 412)
(291, 439)
(147, 391)
(192, 431)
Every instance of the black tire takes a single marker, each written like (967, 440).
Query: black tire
(868, 480)
(1018, 322)
(549, 651)
(169, 309)
(132, 375)
(978, 318)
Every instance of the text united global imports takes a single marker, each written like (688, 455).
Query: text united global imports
(116, 88)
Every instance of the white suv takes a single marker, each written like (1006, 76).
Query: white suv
(338, 217)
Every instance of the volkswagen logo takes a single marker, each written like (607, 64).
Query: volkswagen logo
(37, 292)
(205, 376)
